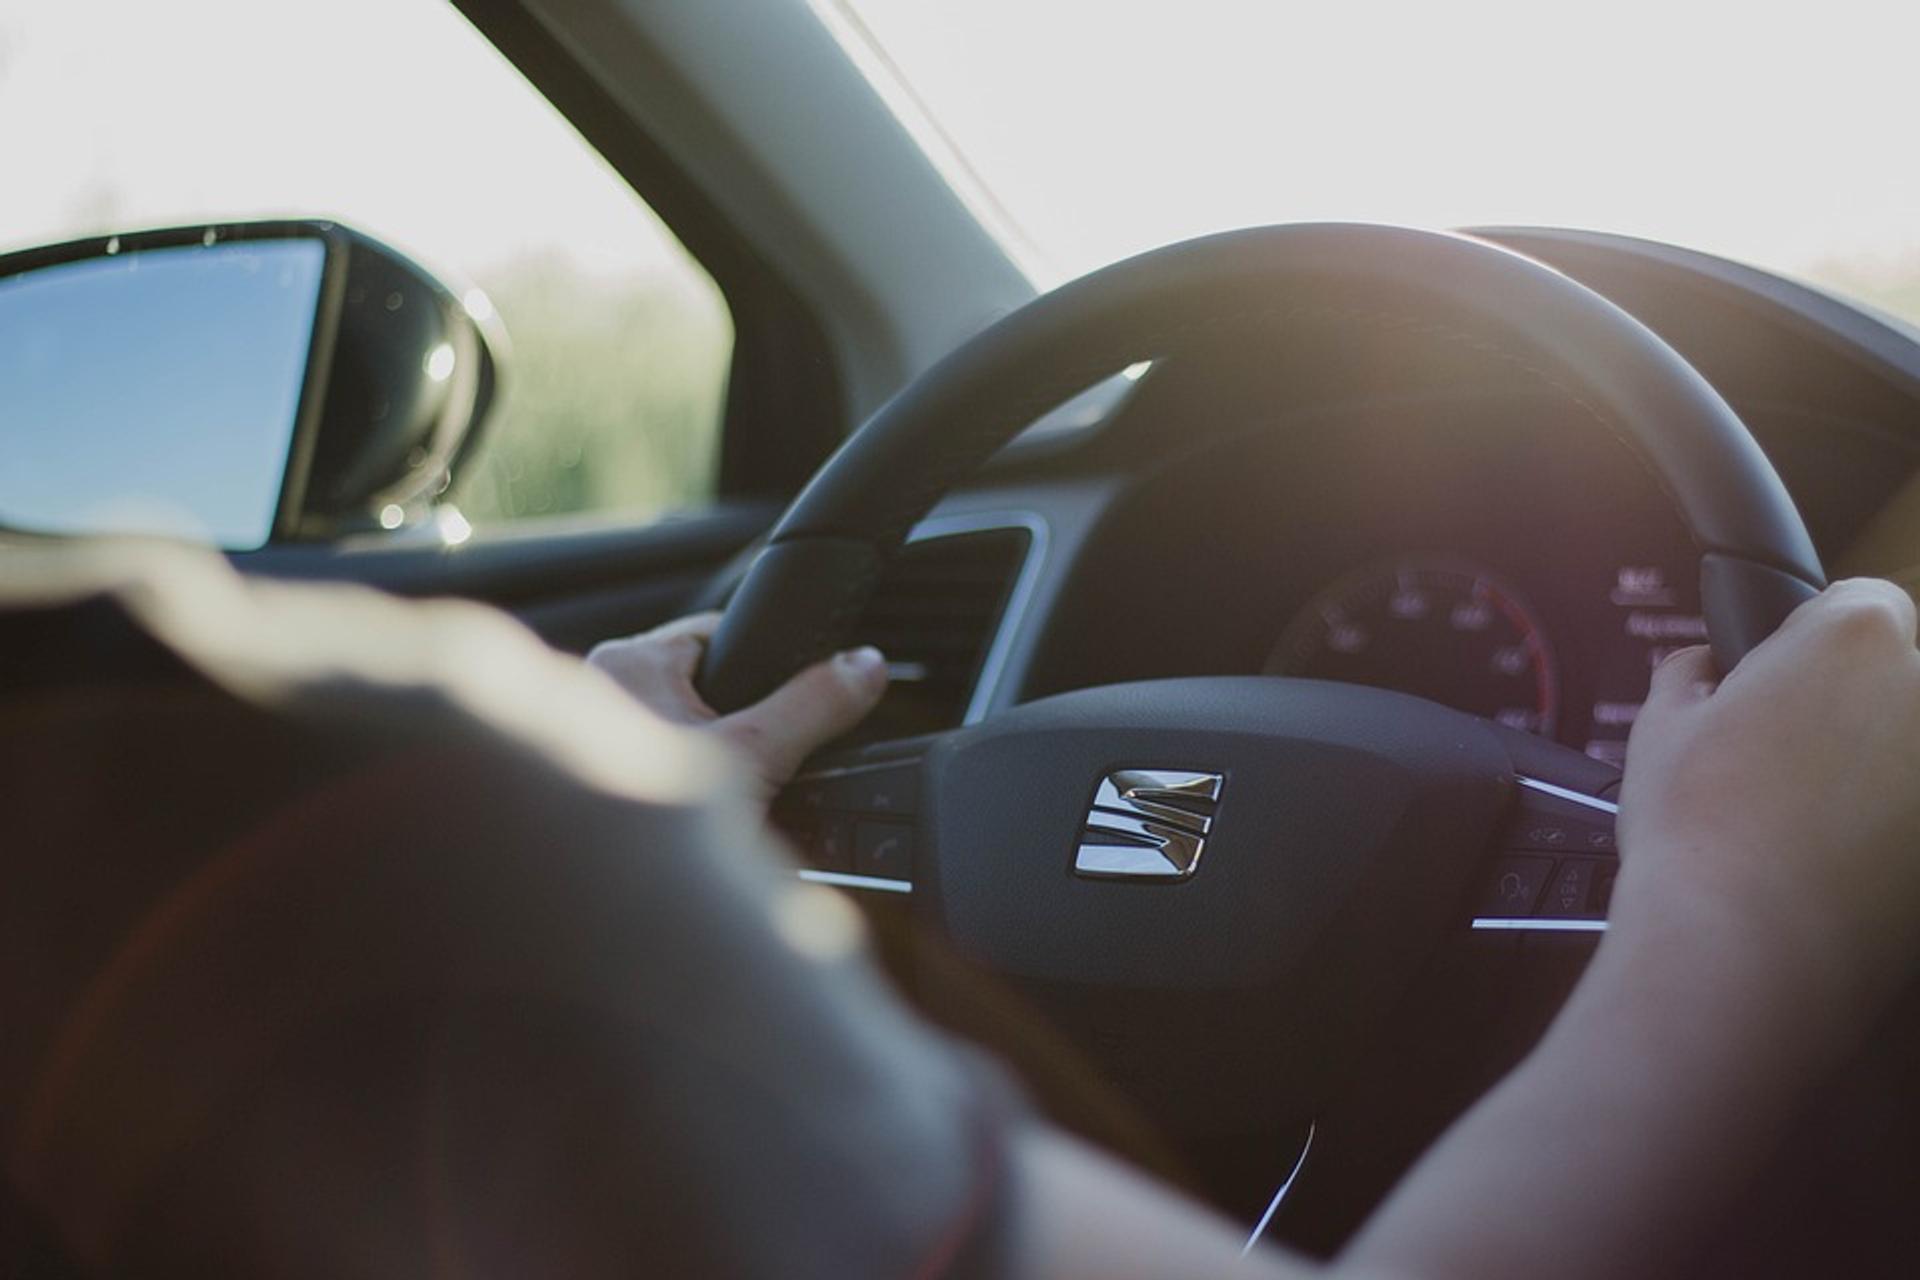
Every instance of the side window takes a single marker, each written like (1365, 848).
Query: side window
(394, 116)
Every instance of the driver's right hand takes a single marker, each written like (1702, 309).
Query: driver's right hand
(1786, 797)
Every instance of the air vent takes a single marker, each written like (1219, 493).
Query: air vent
(934, 614)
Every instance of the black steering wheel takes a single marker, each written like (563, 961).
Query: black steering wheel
(1229, 879)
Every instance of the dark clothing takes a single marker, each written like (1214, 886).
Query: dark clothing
(343, 938)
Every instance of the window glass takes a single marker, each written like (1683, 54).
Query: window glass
(395, 117)
(1777, 134)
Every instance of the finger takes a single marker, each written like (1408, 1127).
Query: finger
(682, 643)
(1684, 676)
(1854, 604)
(1878, 601)
(658, 666)
(813, 708)
(699, 625)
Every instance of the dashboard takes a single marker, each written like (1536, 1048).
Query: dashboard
(1485, 550)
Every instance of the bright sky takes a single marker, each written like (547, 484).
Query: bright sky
(392, 114)
(1782, 133)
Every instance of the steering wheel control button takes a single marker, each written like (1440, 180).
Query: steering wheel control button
(1565, 839)
(883, 850)
(877, 789)
(1542, 834)
(1513, 886)
(1148, 824)
(890, 790)
(1571, 893)
(1602, 897)
(832, 845)
(1559, 823)
(855, 820)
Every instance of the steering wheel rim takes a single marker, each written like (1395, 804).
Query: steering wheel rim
(807, 587)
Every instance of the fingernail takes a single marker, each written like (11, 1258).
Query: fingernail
(865, 666)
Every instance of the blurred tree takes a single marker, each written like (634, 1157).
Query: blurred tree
(1889, 282)
(614, 391)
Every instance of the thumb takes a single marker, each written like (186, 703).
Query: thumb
(813, 708)
(1685, 676)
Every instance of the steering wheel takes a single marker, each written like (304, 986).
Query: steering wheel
(1229, 880)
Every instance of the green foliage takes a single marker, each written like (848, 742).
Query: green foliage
(613, 395)
(1891, 283)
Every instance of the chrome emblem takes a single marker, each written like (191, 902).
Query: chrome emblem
(1148, 824)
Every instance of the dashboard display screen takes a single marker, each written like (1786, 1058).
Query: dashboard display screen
(1447, 630)
(1652, 620)
(1453, 631)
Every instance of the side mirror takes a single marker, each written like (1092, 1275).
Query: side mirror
(239, 384)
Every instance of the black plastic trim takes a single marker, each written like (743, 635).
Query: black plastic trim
(518, 567)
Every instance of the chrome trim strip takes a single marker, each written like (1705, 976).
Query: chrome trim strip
(1183, 797)
(842, 880)
(1148, 811)
(1299, 1162)
(1577, 797)
(993, 666)
(1544, 924)
(1138, 851)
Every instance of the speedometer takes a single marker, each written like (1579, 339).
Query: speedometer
(1442, 629)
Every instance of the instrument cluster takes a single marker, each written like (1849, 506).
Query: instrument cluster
(1458, 632)
(1490, 552)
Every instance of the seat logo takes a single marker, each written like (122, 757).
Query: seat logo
(1148, 824)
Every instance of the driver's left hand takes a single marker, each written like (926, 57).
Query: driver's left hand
(772, 736)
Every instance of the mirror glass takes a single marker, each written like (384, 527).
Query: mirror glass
(155, 391)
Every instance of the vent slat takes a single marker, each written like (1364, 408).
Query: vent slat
(938, 605)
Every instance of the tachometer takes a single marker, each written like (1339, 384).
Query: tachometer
(1442, 629)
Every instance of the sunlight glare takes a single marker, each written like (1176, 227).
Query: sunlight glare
(1776, 134)
(439, 363)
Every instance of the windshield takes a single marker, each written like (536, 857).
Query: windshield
(1776, 134)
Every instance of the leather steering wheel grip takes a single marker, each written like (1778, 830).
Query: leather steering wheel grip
(806, 589)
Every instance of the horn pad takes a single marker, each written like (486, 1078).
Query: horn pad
(1216, 886)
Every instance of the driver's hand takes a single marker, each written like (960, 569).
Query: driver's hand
(775, 734)
(1787, 797)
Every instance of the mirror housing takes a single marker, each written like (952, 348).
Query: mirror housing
(397, 377)
(413, 377)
